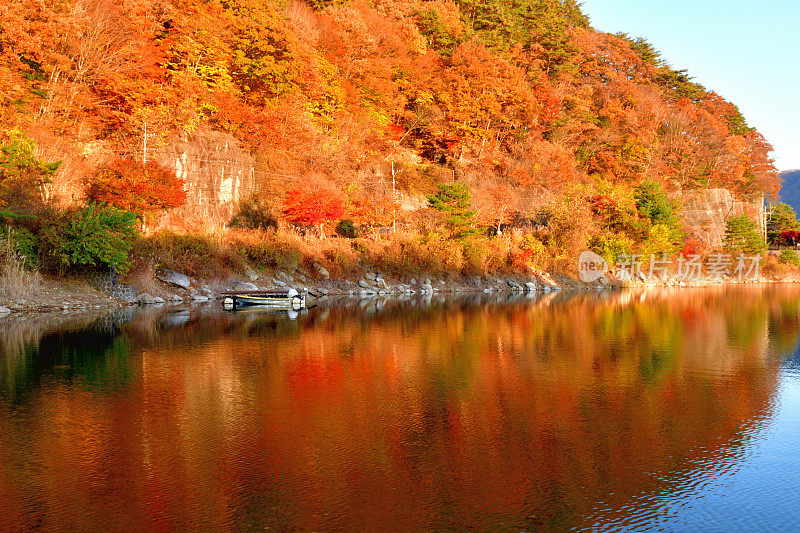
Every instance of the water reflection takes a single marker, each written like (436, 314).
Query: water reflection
(554, 413)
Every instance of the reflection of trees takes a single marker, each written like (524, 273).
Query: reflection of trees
(446, 416)
(78, 344)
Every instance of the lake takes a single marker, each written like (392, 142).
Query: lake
(665, 409)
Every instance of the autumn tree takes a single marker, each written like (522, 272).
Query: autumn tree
(313, 205)
(495, 204)
(264, 62)
(141, 188)
(373, 209)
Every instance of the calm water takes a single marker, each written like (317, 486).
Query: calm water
(660, 410)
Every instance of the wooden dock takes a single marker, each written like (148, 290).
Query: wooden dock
(288, 299)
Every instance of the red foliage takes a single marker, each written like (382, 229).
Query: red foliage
(313, 206)
(135, 186)
(693, 246)
(789, 238)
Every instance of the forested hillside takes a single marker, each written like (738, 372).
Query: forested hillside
(529, 111)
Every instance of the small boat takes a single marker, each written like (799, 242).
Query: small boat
(288, 299)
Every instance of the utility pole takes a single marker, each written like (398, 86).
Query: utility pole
(394, 201)
(144, 144)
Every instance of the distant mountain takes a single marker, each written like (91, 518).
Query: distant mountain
(790, 189)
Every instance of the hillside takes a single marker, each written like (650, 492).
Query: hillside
(543, 118)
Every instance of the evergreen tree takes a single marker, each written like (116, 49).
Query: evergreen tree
(742, 235)
(781, 218)
(453, 200)
(22, 177)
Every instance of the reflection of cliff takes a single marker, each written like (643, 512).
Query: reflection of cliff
(494, 417)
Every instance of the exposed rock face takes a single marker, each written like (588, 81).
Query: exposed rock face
(217, 174)
(706, 212)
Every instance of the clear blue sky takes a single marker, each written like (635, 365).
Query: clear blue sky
(747, 51)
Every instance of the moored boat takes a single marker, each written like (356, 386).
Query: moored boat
(271, 299)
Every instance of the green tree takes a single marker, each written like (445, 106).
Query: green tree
(546, 23)
(781, 217)
(439, 38)
(453, 200)
(654, 203)
(742, 235)
(22, 177)
(789, 256)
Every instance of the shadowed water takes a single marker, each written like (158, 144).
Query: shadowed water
(648, 410)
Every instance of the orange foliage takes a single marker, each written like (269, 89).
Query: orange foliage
(135, 186)
(341, 90)
(313, 205)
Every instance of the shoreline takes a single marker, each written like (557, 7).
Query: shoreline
(73, 295)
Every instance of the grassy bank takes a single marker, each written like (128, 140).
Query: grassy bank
(402, 254)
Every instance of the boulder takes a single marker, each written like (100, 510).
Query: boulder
(285, 277)
(147, 299)
(363, 284)
(322, 271)
(4, 310)
(244, 286)
(174, 278)
(530, 286)
(175, 298)
(200, 298)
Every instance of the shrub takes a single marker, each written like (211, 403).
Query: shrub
(345, 228)
(17, 278)
(270, 250)
(692, 245)
(253, 214)
(611, 246)
(410, 255)
(788, 238)
(476, 257)
(23, 242)
(531, 253)
(661, 239)
(91, 235)
(789, 256)
(195, 255)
